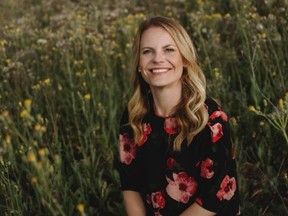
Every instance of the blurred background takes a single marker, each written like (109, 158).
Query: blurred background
(65, 80)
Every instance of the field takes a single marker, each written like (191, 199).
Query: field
(65, 79)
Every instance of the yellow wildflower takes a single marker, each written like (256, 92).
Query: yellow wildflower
(3, 42)
(34, 180)
(87, 97)
(27, 103)
(47, 81)
(252, 108)
(5, 113)
(8, 139)
(41, 152)
(80, 208)
(31, 157)
(37, 127)
(233, 120)
(24, 113)
(281, 103)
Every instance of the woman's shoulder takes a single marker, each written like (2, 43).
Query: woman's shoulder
(212, 105)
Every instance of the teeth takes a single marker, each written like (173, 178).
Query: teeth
(162, 70)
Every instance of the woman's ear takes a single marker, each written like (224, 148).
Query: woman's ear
(185, 63)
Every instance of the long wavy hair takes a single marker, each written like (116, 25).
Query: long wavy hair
(191, 112)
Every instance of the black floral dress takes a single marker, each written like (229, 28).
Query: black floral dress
(170, 181)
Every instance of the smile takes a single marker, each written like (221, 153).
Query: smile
(159, 70)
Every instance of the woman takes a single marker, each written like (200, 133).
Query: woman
(176, 157)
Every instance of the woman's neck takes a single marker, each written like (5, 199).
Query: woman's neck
(166, 100)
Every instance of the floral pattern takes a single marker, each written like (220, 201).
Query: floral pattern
(227, 188)
(171, 162)
(182, 188)
(207, 168)
(158, 200)
(146, 131)
(220, 113)
(127, 149)
(170, 125)
(216, 131)
(170, 181)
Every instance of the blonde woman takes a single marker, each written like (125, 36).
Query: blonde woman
(176, 156)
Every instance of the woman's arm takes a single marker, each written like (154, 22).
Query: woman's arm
(197, 210)
(133, 203)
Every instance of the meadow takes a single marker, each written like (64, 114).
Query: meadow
(65, 80)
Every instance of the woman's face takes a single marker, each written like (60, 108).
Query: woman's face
(160, 64)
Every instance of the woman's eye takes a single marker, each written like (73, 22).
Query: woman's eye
(169, 50)
(146, 51)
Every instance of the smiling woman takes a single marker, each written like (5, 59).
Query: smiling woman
(176, 156)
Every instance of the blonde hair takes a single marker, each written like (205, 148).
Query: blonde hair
(191, 112)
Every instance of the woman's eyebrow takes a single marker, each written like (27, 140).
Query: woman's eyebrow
(168, 45)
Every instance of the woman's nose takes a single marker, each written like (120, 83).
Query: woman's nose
(158, 57)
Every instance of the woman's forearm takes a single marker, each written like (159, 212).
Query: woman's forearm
(133, 203)
(197, 210)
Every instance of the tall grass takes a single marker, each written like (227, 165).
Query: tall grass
(65, 69)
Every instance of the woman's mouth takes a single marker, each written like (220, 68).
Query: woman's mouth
(159, 70)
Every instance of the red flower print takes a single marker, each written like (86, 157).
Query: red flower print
(127, 149)
(170, 163)
(216, 131)
(207, 168)
(146, 131)
(158, 214)
(148, 199)
(199, 201)
(170, 125)
(158, 200)
(227, 188)
(182, 188)
(222, 114)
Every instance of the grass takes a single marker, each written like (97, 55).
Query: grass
(65, 80)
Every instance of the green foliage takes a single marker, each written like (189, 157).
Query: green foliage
(65, 79)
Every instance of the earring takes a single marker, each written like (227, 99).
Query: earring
(139, 70)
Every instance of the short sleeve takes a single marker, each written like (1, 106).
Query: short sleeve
(218, 186)
(128, 164)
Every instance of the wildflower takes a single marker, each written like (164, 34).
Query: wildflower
(24, 113)
(27, 103)
(233, 120)
(59, 87)
(217, 73)
(47, 81)
(41, 41)
(31, 157)
(78, 74)
(37, 127)
(8, 61)
(34, 180)
(37, 86)
(87, 97)
(281, 103)
(252, 108)
(80, 208)
(41, 152)
(3, 42)
(5, 113)
(8, 139)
